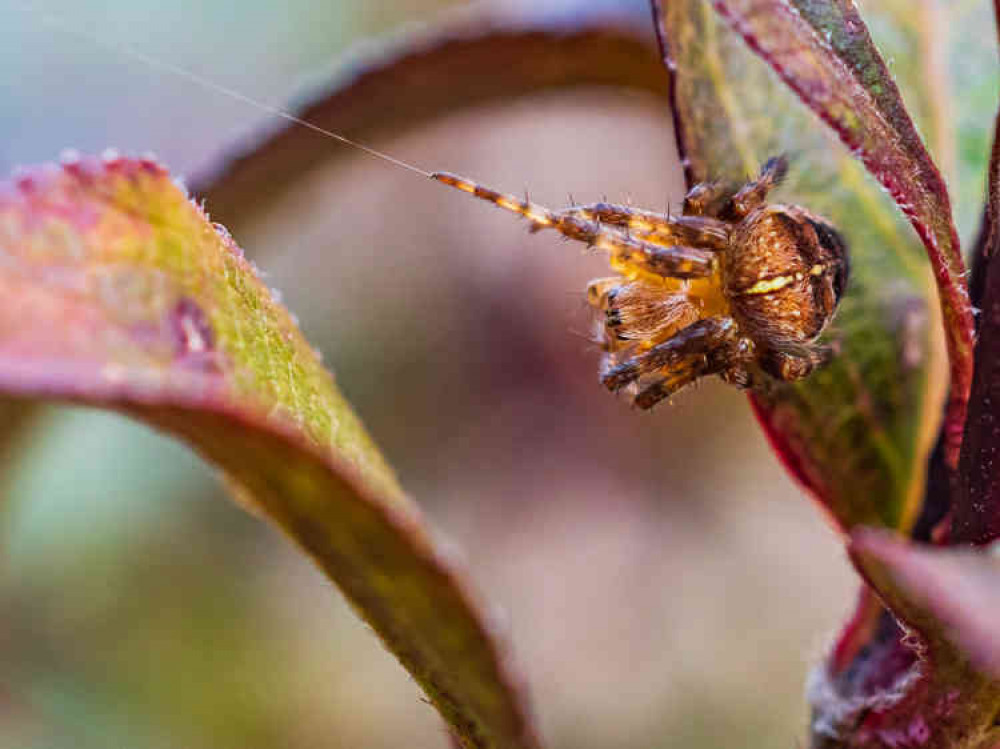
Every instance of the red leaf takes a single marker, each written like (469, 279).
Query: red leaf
(976, 512)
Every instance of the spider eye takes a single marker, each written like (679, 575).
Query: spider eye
(837, 254)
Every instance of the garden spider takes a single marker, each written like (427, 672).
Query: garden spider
(734, 286)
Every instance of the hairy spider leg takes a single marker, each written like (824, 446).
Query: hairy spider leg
(599, 289)
(709, 340)
(703, 232)
(684, 373)
(754, 193)
(721, 357)
(797, 364)
(732, 203)
(634, 256)
(708, 198)
(640, 313)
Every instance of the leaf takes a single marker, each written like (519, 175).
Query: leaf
(857, 433)
(822, 50)
(13, 415)
(119, 293)
(493, 54)
(951, 601)
(470, 59)
(976, 512)
(951, 593)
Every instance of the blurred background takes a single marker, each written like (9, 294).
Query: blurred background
(664, 582)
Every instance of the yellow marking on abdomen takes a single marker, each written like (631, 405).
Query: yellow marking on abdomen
(767, 285)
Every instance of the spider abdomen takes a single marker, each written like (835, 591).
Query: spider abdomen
(783, 274)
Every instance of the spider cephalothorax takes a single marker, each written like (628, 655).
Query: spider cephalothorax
(734, 286)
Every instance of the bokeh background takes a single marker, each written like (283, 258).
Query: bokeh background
(665, 583)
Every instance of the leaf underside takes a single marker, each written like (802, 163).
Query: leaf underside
(856, 433)
(822, 50)
(119, 293)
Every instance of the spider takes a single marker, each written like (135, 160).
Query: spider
(734, 286)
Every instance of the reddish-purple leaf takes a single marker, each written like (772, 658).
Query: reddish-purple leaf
(118, 292)
(976, 513)
(494, 54)
(959, 588)
(822, 50)
(950, 601)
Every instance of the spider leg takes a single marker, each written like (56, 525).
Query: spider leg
(599, 290)
(703, 347)
(634, 312)
(754, 193)
(660, 228)
(707, 198)
(633, 255)
(796, 364)
(683, 374)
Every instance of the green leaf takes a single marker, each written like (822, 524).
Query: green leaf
(822, 50)
(13, 415)
(469, 59)
(858, 432)
(119, 293)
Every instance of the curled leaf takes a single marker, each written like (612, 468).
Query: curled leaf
(858, 432)
(822, 50)
(950, 602)
(118, 292)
